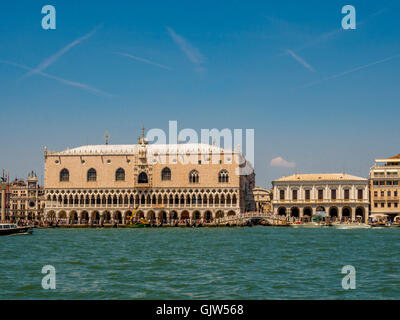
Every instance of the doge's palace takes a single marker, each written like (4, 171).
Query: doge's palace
(163, 182)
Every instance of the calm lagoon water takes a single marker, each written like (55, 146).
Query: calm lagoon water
(203, 263)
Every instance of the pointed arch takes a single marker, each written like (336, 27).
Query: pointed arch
(194, 176)
(64, 175)
(223, 176)
(91, 175)
(142, 178)
(234, 200)
(166, 174)
(120, 174)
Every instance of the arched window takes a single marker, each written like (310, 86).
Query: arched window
(64, 175)
(223, 176)
(143, 178)
(166, 174)
(91, 175)
(120, 175)
(194, 176)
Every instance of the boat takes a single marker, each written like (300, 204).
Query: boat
(140, 224)
(12, 228)
(384, 225)
(378, 225)
(345, 226)
(306, 225)
(317, 221)
(281, 225)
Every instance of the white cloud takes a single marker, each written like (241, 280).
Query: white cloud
(280, 162)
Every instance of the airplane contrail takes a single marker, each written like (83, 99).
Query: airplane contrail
(300, 60)
(192, 53)
(50, 60)
(64, 81)
(333, 33)
(143, 60)
(350, 71)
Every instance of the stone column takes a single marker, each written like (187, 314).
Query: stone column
(314, 211)
(123, 217)
(353, 214)
(3, 202)
(112, 217)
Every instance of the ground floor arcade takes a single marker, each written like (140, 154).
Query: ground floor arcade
(335, 213)
(124, 216)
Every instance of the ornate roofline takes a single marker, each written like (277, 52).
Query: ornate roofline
(161, 149)
(321, 177)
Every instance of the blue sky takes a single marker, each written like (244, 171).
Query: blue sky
(322, 98)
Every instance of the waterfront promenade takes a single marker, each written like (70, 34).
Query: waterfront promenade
(241, 220)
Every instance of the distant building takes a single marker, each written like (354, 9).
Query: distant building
(26, 198)
(384, 178)
(108, 182)
(340, 196)
(262, 199)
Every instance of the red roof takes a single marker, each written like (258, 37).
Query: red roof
(395, 157)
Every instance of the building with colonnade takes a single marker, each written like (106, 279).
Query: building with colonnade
(163, 182)
(340, 196)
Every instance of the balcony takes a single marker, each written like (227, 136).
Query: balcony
(317, 201)
(143, 185)
(81, 206)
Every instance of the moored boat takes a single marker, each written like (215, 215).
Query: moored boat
(346, 226)
(306, 225)
(378, 225)
(139, 224)
(12, 228)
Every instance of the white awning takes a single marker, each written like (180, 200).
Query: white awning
(377, 215)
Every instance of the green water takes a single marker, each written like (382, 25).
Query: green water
(203, 263)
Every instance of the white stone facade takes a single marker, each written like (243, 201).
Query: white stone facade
(340, 196)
